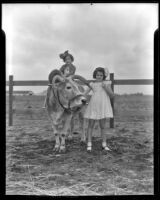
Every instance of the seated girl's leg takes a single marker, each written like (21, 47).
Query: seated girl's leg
(103, 127)
(44, 104)
(46, 98)
(89, 133)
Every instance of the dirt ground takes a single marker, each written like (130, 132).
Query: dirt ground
(32, 168)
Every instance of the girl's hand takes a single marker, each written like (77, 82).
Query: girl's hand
(103, 85)
(108, 90)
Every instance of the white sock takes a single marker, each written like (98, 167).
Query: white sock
(104, 144)
(89, 144)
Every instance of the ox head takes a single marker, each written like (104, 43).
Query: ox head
(69, 91)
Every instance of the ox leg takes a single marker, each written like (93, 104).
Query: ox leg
(57, 138)
(54, 117)
(57, 143)
(70, 135)
(63, 135)
(62, 146)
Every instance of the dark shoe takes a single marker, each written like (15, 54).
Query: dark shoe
(106, 148)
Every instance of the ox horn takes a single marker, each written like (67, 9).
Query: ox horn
(57, 77)
(82, 79)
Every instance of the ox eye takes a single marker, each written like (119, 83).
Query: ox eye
(68, 87)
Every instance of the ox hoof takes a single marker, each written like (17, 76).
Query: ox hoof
(106, 149)
(70, 137)
(56, 149)
(62, 149)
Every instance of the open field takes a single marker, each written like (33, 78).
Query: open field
(34, 169)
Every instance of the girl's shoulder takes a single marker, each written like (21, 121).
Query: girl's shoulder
(91, 83)
(62, 68)
(68, 65)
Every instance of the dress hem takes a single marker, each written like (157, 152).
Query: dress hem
(98, 118)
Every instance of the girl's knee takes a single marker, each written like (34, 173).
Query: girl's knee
(91, 123)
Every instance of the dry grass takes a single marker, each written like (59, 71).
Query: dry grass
(34, 169)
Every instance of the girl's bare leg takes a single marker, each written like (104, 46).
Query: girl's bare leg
(102, 123)
(89, 134)
(45, 101)
(44, 105)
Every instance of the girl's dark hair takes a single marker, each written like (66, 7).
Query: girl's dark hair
(65, 54)
(99, 69)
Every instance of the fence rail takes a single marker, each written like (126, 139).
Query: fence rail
(115, 82)
(11, 83)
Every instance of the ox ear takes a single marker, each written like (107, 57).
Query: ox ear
(57, 80)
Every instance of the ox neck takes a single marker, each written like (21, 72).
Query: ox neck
(57, 96)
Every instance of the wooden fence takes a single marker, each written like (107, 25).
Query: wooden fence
(11, 83)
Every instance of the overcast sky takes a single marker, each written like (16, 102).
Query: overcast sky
(117, 36)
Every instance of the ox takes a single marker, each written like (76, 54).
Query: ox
(65, 97)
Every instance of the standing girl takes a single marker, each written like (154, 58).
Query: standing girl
(99, 107)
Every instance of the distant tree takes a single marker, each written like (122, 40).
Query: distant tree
(139, 94)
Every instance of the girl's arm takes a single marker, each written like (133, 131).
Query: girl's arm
(108, 90)
(87, 91)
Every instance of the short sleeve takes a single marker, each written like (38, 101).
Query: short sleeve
(91, 84)
(108, 83)
(72, 69)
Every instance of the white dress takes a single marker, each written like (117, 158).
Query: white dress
(99, 106)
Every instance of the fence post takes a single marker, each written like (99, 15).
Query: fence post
(112, 100)
(10, 100)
